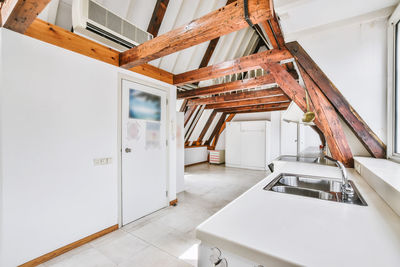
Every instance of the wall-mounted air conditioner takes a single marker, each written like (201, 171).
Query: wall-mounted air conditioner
(94, 21)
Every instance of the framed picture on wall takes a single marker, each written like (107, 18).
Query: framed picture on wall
(144, 106)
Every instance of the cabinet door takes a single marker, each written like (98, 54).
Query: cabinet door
(253, 145)
(232, 145)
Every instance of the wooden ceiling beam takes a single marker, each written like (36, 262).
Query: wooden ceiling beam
(249, 102)
(326, 120)
(274, 32)
(227, 87)
(18, 15)
(209, 52)
(360, 128)
(329, 122)
(157, 17)
(270, 34)
(259, 110)
(60, 37)
(211, 47)
(255, 108)
(215, 24)
(229, 67)
(276, 29)
(236, 96)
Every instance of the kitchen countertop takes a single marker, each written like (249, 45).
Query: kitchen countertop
(289, 230)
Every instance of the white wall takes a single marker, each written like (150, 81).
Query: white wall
(180, 153)
(58, 113)
(248, 144)
(1, 153)
(275, 132)
(195, 155)
(354, 58)
(261, 116)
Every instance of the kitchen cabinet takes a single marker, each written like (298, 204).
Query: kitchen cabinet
(247, 144)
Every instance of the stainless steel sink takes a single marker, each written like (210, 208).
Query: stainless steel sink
(311, 183)
(314, 187)
(302, 192)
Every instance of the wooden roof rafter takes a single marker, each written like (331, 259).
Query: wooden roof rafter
(211, 47)
(253, 94)
(362, 131)
(250, 102)
(18, 15)
(206, 127)
(228, 87)
(243, 64)
(220, 130)
(215, 24)
(157, 17)
(256, 108)
(326, 120)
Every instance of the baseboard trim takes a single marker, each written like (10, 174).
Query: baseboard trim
(68, 247)
(197, 163)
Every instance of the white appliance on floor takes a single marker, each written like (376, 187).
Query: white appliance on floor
(247, 144)
(210, 256)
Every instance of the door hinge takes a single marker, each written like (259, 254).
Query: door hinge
(166, 193)
(166, 142)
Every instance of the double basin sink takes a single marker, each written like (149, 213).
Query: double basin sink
(314, 187)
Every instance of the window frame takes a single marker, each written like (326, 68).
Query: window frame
(393, 23)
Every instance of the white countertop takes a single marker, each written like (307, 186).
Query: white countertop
(387, 170)
(286, 230)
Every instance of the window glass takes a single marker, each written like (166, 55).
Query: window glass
(397, 92)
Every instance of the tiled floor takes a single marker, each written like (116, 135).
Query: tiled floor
(166, 238)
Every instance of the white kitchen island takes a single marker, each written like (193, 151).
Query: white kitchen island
(265, 228)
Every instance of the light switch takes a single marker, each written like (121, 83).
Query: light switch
(102, 161)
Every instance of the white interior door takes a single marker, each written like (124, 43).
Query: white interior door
(288, 138)
(144, 152)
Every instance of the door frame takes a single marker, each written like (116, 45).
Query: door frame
(159, 87)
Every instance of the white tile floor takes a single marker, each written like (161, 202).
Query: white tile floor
(166, 238)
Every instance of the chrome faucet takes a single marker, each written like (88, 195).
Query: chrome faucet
(347, 189)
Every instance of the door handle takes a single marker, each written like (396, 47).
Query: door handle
(128, 150)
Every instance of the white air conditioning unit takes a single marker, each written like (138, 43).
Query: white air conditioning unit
(94, 21)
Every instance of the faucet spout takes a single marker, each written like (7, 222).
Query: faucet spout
(347, 189)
